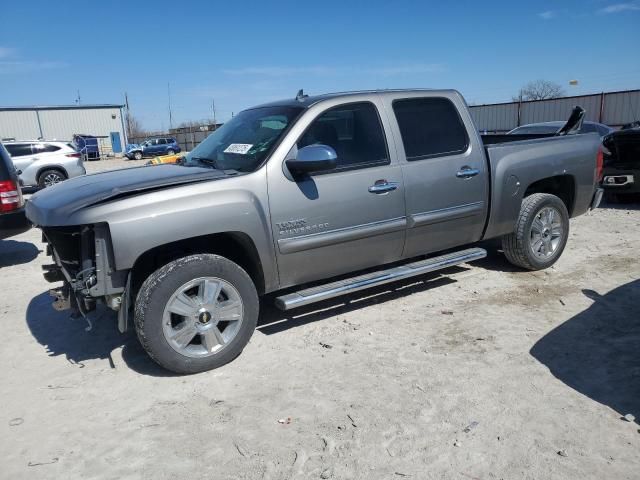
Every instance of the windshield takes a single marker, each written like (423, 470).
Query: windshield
(535, 129)
(245, 141)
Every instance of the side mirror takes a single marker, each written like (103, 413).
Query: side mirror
(313, 158)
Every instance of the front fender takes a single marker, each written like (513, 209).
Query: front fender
(238, 204)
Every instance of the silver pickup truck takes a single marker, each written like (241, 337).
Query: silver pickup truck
(288, 195)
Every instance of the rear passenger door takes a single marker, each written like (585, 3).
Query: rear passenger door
(346, 219)
(444, 170)
(21, 154)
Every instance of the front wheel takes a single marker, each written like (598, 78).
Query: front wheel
(196, 313)
(541, 232)
(137, 155)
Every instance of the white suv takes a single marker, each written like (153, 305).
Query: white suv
(43, 164)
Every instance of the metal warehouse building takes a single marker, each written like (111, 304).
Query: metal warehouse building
(612, 108)
(61, 122)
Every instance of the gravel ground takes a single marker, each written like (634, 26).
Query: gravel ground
(482, 372)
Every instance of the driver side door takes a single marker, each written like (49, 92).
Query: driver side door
(333, 222)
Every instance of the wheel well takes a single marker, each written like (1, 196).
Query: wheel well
(53, 167)
(562, 186)
(236, 246)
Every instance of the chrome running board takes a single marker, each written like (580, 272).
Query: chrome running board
(353, 284)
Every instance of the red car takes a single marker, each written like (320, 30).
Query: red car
(12, 218)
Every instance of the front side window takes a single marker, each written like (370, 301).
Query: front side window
(19, 149)
(430, 127)
(244, 142)
(354, 131)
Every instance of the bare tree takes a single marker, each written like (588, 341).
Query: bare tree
(539, 90)
(135, 128)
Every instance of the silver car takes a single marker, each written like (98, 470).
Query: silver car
(42, 164)
(552, 127)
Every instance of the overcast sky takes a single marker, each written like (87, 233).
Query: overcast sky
(245, 53)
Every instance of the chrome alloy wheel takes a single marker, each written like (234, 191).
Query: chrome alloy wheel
(52, 178)
(546, 232)
(202, 317)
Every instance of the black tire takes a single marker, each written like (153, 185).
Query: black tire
(517, 246)
(159, 287)
(137, 156)
(46, 177)
(171, 152)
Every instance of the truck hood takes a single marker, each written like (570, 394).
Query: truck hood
(54, 205)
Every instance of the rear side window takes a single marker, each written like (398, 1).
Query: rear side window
(430, 127)
(354, 131)
(19, 149)
(6, 166)
(162, 141)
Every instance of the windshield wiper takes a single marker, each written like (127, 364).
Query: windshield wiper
(207, 161)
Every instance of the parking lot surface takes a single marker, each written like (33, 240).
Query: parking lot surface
(481, 372)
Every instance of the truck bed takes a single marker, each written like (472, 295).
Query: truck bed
(570, 160)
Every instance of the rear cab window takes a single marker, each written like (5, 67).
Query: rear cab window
(354, 131)
(430, 127)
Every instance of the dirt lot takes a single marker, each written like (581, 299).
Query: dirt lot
(483, 372)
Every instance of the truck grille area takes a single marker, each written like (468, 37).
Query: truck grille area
(66, 243)
(73, 250)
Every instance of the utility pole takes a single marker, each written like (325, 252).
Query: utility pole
(126, 104)
(78, 98)
(213, 108)
(170, 115)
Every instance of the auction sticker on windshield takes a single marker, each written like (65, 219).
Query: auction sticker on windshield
(241, 148)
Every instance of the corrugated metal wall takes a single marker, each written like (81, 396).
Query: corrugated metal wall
(19, 124)
(618, 108)
(61, 123)
(559, 109)
(495, 117)
(621, 108)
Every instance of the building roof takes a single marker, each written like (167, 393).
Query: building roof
(62, 107)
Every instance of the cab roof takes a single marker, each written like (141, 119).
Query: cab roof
(308, 100)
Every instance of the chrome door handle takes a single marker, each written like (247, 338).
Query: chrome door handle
(382, 186)
(467, 172)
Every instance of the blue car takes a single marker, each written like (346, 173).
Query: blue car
(153, 147)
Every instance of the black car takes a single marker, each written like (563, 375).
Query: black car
(621, 174)
(12, 218)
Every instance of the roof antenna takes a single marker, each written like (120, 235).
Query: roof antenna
(301, 95)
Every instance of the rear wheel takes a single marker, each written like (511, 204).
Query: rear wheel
(196, 313)
(170, 152)
(541, 232)
(50, 177)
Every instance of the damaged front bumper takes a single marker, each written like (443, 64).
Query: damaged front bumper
(83, 262)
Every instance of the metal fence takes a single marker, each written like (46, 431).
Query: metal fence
(611, 108)
(187, 140)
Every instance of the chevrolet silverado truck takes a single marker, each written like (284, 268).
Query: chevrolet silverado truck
(287, 196)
